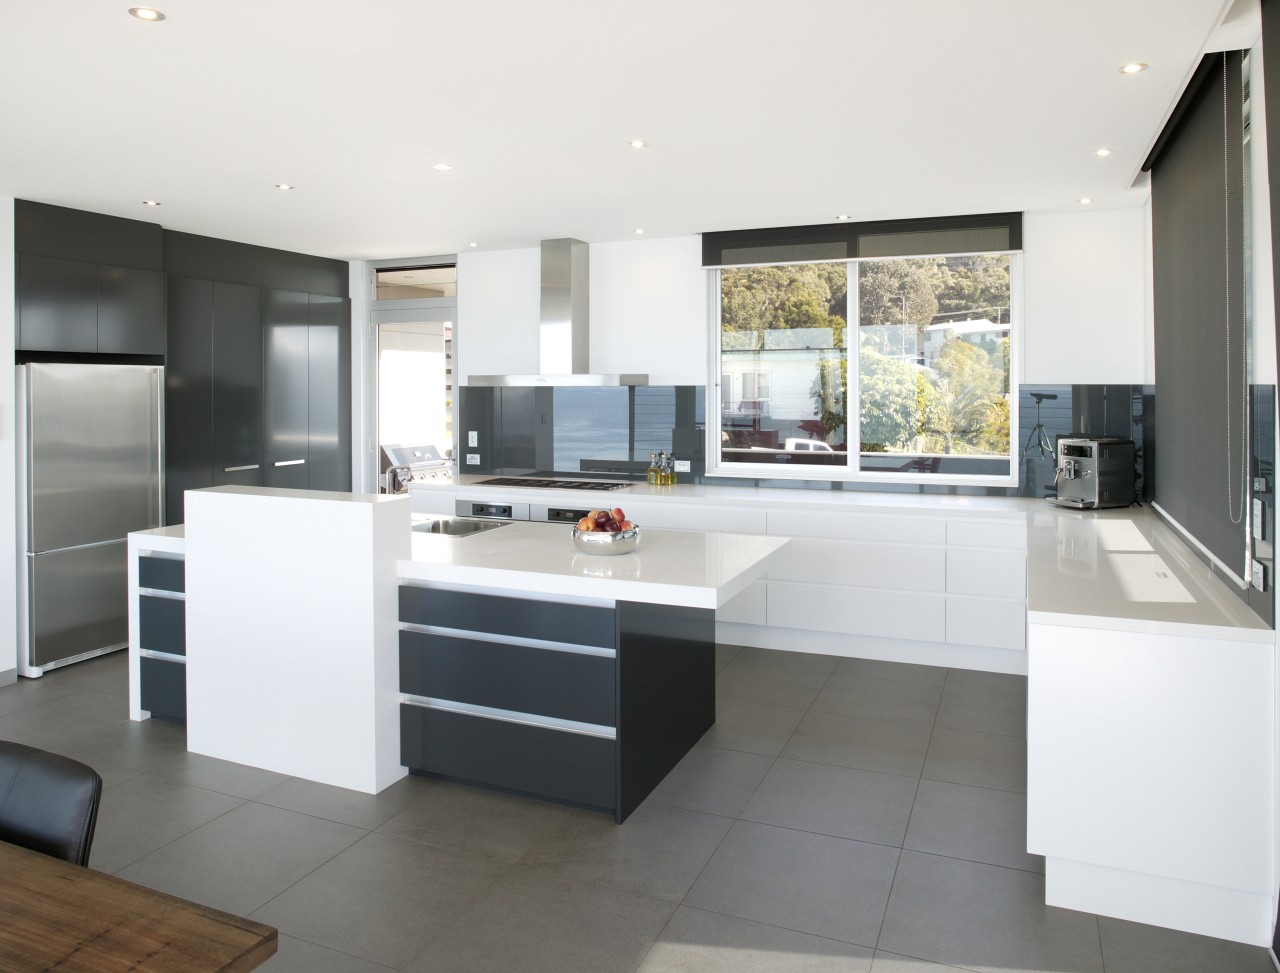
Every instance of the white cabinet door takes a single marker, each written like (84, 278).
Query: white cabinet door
(985, 533)
(858, 527)
(675, 516)
(857, 611)
(987, 573)
(746, 608)
(863, 565)
(981, 621)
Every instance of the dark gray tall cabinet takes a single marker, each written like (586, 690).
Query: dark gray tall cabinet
(259, 379)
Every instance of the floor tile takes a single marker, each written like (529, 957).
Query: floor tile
(988, 681)
(59, 723)
(696, 941)
(893, 963)
(974, 823)
(117, 687)
(980, 759)
(881, 699)
(299, 956)
(726, 654)
(985, 918)
(776, 685)
(356, 808)
(1131, 947)
(886, 746)
(477, 821)
(825, 799)
(658, 851)
(812, 661)
(242, 859)
(991, 711)
(713, 780)
(222, 776)
(830, 887)
(383, 899)
(531, 923)
(751, 727)
(145, 813)
(900, 671)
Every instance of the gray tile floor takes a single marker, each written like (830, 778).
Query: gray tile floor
(842, 815)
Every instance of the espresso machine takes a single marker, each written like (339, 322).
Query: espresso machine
(1094, 472)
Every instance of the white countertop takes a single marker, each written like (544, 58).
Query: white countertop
(927, 504)
(1126, 569)
(670, 567)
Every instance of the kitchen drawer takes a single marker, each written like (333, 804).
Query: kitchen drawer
(550, 763)
(857, 527)
(515, 617)
(547, 682)
(736, 520)
(162, 624)
(855, 611)
(746, 608)
(978, 533)
(163, 687)
(987, 573)
(977, 621)
(163, 573)
(865, 565)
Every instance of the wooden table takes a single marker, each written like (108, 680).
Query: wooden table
(59, 916)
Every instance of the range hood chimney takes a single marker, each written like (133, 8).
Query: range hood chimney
(563, 330)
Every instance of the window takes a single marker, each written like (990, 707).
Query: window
(891, 368)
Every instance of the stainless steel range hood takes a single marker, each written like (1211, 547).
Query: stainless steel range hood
(563, 333)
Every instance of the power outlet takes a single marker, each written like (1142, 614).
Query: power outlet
(1259, 519)
(473, 459)
(682, 466)
(473, 439)
(1259, 573)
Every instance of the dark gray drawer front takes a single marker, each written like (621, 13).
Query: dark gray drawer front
(162, 624)
(566, 685)
(549, 763)
(494, 615)
(164, 689)
(166, 574)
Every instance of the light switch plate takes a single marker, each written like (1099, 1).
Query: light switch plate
(1259, 519)
(682, 466)
(473, 438)
(473, 459)
(1259, 573)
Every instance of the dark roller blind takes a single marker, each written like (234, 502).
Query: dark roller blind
(1197, 222)
(983, 233)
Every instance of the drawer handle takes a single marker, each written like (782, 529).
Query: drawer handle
(240, 469)
(289, 462)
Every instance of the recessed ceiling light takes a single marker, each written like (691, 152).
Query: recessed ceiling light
(473, 244)
(844, 216)
(150, 202)
(639, 231)
(1134, 67)
(442, 167)
(285, 186)
(1085, 200)
(1103, 152)
(637, 143)
(146, 13)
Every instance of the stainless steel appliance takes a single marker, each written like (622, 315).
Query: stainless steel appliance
(89, 473)
(554, 483)
(1095, 471)
(512, 510)
(413, 464)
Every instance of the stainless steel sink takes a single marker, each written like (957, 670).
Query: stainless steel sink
(456, 526)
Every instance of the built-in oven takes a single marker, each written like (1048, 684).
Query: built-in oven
(508, 510)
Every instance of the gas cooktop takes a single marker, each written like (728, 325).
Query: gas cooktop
(553, 484)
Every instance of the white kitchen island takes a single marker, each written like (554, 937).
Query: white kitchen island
(1150, 738)
(322, 637)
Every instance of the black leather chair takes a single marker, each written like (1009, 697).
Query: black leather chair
(48, 803)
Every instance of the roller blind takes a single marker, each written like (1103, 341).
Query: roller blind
(1197, 211)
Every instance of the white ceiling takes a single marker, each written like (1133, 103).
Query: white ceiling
(758, 113)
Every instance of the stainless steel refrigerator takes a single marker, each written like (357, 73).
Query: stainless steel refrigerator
(90, 467)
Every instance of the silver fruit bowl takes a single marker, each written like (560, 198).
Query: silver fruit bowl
(605, 543)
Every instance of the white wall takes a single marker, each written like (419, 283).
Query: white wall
(649, 309)
(1085, 303)
(8, 456)
(497, 329)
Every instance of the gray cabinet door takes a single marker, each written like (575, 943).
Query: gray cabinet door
(329, 393)
(285, 332)
(236, 399)
(130, 311)
(188, 421)
(57, 305)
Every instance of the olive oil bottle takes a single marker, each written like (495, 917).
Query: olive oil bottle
(654, 474)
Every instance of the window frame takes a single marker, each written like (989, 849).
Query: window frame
(850, 473)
